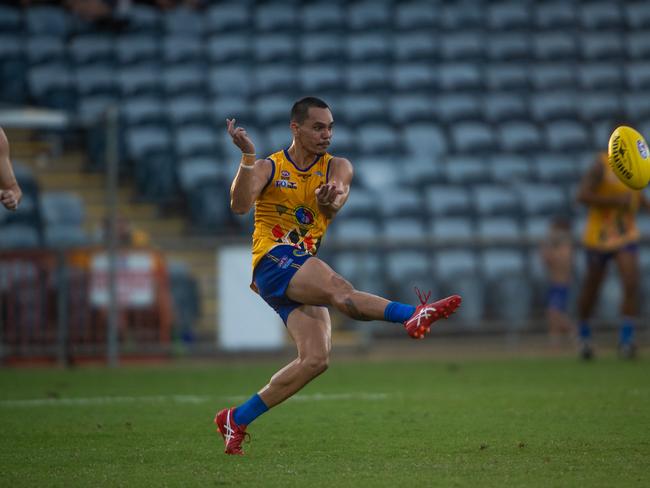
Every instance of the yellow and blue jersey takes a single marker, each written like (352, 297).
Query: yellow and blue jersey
(287, 211)
(611, 228)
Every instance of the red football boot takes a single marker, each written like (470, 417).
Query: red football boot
(233, 434)
(419, 324)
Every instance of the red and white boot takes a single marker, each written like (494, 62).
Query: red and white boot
(419, 324)
(233, 434)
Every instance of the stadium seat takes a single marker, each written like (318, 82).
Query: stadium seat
(368, 14)
(139, 80)
(344, 141)
(321, 16)
(508, 168)
(495, 200)
(406, 270)
(325, 47)
(637, 105)
(272, 48)
(62, 208)
(416, 15)
(183, 21)
(555, 168)
(91, 49)
(536, 227)
(402, 229)
(424, 138)
(363, 108)
(181, 49)
(554, 46)
(638, 45)
(457, 271)
(498, 229)
(52, 86)
(599, 46)
(65, 236)
(409, 77)
(195, 140)
(503, 107)
(462, 46)
(226, 48)
(447, 200)
(319, 78)
(600, 15)
(192, 171)
(360, 203)
(511, 76)
(414, 46)
(142, 110)
(566, 135)
(555, 15)
(278, 135)
(452, 230)
(457, 107)
(363, 269)
(376, 172)
(549, 106)
(209, 206)
(455, 263)
(593, 76)
(95, 80)
(459, 76)
(45, 49)
(228, 16)
(230, 81)
(419, 170)
(400, 202)
(273, 108)
(637, 14)
(542, 199)
(552, 76)
(643, 223)
(469, 137)
(637, 75)
(144, 18)
(145, 140)
(356, 230)
(274, 78)
(47, 20)
(508, 47)
(92, 108)
(19, 237)
(407, 109)
(229, 107)
(519, 136)
(274, 17)
(498, 263)
(465, 170)
(181, 79)
(460, 15)
(365, 77)
(503, 16)
(597, 106)
(364, 47)
(136, 49)
(11, 20)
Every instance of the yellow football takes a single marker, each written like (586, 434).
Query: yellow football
(629, 158)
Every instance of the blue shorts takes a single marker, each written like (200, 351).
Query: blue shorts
(557, 297)
(273, 274)
(601, 258)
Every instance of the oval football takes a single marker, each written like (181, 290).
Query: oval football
(629, 158)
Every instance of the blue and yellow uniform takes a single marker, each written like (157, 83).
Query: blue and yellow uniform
(289, 227)
(610, 229)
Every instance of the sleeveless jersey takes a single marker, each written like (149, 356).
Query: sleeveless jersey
(609, 228)
(287, 211)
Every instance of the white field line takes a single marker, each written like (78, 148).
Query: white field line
(192, 399)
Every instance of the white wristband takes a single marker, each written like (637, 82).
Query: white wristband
(246, 166)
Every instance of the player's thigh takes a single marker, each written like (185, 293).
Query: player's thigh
(628, 268)
(595, 272)
(311, 329)
(315, 283)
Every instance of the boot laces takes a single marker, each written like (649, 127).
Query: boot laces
(421, 296)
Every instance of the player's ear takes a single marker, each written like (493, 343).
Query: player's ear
(293, 125)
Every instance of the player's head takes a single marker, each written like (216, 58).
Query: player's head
(311, 124)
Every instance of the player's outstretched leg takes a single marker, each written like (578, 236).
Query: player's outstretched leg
(316, 283)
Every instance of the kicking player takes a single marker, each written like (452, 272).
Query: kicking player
(10, 193)
(296, 193)
(610, 234)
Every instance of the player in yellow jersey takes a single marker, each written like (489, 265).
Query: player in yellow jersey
(296, 193)
(610, 234)
(10, 193)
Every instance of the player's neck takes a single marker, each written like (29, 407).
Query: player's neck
(300, 157)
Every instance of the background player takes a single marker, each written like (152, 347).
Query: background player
(296, 193)
(610, 234)
(10, 193)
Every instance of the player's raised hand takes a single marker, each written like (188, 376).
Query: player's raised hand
(10, 199)
(327, 193)
(240, 137)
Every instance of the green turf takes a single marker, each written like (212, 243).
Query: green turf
(542, 422)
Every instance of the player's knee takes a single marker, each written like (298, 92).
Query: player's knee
(341, 291)
(316, 364)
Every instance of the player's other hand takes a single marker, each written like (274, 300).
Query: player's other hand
(327, 193)
(10, 198)
(240, 137)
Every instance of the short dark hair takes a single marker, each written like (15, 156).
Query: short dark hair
(300, 109)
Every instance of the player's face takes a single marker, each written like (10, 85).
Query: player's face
(315, 133)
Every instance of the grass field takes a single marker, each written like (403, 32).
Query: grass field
(515, 422)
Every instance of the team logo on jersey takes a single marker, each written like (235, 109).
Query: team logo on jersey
(318, 173)
(304, 216)
(304, 177)
(286, 184)
(285, 175)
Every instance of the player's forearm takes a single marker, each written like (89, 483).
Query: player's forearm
(242, 190)
(600, 200)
